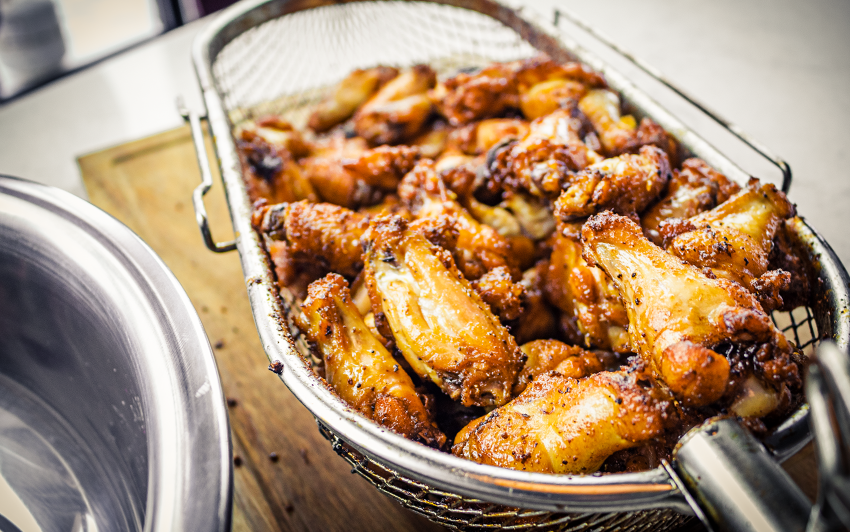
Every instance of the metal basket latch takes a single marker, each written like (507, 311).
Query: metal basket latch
(194, 121)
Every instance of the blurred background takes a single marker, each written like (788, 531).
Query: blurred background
(41, 40)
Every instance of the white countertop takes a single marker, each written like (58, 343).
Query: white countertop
(780, 69)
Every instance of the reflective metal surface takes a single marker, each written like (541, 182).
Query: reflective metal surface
(111, 412)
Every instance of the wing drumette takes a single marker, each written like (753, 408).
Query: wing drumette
(348, 174)
(621, 134)
(679, 318)
(350, 94)
(358, 367)
(400, 108)
(593, 314)
(567, 426)
(735, 240)
(441, 326)
(316, 233)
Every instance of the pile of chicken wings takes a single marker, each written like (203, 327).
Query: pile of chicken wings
(506, 266)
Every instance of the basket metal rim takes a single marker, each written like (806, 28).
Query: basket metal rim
(618, 492)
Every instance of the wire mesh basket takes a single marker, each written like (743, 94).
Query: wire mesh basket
(282, 57)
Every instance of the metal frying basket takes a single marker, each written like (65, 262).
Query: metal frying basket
(282, 57)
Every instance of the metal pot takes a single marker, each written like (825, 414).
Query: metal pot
(111, 412)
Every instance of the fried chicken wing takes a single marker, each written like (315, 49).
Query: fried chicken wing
(441, 326)
(543, 356)
(564, 425)
(593, 314)
(695, 188)
(351, 179)
(498, 290)
(349, 94)
(479, 247)
(735, 239)
(478, 137)
(621, 134)
(358, 367)
(320, 233)
(626, 184)
(400, 108)
(678, 317)
(271, 172)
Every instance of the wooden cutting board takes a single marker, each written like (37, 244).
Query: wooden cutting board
(304, 485)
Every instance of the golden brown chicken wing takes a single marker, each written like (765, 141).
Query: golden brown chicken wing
(545, 355)
(543, 161)
(400, 108)
(695, 188)
(352, 178)
(593, 314)
(358, 367)
(317, 233)
(478, 137)
(679, 318)
(621, 134)
(349, 94)
(479, 247)
(440, 325)
(735, 239)
(564, 425)
(270, 170)
(626, 184)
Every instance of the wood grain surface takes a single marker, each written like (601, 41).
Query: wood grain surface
(304, 485)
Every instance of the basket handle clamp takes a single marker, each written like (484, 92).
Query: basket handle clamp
(733, 129)
(194, 121)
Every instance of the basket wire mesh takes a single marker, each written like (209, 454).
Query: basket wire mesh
(287, 65)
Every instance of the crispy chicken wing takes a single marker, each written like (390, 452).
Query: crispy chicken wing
(679, 318)
(626, 184)
(440, 325)
(537, 85)
(271, 172)
(543, 356)
(593, 313)
(478, 137)
(318, 233)
(621, 134)
(695, 188)
(735, 240)
(352, 179)
(351, 93)
(542, 162)
(566, 426)
(358, 367)
(400, 108)
(479, 247)
(498, 290)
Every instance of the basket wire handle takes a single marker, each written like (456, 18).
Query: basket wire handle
(194, 121)
(736, 131)
(828, 393)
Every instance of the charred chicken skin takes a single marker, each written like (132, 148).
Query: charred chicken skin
(442, 327)
(566, 426)
(359, 368)
(678, 317)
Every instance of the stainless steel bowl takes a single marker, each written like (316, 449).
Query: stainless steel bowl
(111, 412)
